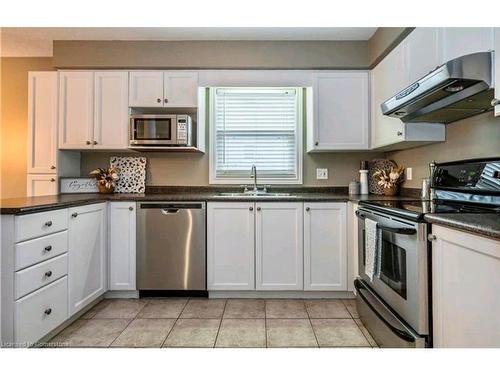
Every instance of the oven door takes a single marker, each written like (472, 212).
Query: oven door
(402, 282)
(153, 130)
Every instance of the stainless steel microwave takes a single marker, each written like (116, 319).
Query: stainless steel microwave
(160, 130)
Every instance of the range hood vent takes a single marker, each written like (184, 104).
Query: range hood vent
(455, 90)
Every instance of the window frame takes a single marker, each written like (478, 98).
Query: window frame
(214, 180)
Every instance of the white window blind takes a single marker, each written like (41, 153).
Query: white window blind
(256, 126)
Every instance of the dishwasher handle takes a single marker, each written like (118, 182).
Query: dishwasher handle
(172, 206)
(169, 211)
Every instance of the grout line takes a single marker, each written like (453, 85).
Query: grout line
(173, 325)
(220, 323)
(366, 338)
(310, 323)
(129, 323)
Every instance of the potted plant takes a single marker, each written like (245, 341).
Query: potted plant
(106, 179)
(390, 179)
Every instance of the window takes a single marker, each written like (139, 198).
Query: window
(261, 126)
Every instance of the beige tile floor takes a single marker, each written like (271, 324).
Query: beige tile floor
(232, 323)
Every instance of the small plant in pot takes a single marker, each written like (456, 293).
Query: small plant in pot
(390, 179)
(106, 179)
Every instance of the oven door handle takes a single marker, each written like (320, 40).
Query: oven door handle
(401, 334)
(405, 231)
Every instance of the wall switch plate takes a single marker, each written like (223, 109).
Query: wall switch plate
(321, 173)
(409, 174)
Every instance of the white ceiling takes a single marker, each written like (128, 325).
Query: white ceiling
(38, 41)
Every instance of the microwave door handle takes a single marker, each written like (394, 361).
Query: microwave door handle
(404, 231)
(401, 334)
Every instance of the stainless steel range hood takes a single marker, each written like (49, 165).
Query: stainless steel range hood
(457, 89)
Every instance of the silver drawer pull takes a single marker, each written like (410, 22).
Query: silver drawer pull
(48, 273)
(131, 208)
(74, 214)
(48, 311)
(308, 209)
(48, 223)
(48, 248)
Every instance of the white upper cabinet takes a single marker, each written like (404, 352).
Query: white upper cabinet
(146, 89)
(279, 246)
(180, 89)
(122, 245)
(86, 255)
(459, 41)
(42, 119)
(496, 69)
(325, 246)
(230, 246)
(163, 89)
(111, 110)
(423, 52)
(76, 110)
(340, 112)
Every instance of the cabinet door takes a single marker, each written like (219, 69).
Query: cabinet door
(76, 110)
(460, 41)
(111, 110)
(41, 184)
(180, 89)
(325, 248)
(42, 120)
(497, 70)
(466, 281)
(341, 111)
(122, 247)
(145, 89)
(279, 246)
(86, 255)
(230, 246)
(422, 52)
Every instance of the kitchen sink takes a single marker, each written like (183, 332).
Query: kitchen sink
(259, 194)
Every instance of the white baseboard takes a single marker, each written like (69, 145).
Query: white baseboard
(122, 294)
(279, 294)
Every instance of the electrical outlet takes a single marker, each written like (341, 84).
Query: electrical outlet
(321, 173)
(409, 174)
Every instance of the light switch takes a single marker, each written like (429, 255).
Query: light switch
(321, 173)
(409, 174)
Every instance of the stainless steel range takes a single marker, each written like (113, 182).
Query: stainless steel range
(395, 302)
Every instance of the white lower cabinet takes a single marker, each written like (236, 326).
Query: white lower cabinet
(279, 246)
(86, 255)
(325, 248)
(465, 285)
(122, 236)
(230, 245)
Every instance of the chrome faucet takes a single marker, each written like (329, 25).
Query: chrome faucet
(253, 174)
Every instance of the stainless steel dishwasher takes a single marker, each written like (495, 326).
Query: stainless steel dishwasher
(171, 246)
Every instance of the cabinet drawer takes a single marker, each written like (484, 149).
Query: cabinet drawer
(40, 249)
(42, 274)
(40, 312)
(40, 224)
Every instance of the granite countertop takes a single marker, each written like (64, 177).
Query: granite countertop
(482, 224)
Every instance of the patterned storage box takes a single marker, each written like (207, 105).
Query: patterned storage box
(132, 174)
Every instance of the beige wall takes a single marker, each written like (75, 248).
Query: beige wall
(14, 121)
(474, 137)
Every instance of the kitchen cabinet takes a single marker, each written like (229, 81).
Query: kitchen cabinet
(110, 110)
(497, 69)
(340, 112)
(466, 281)
(279, 246)
(42, 120)
(163, 89)
(86, 255)
(122, 245)
(423, 53)
(352, 245)
(325, 246)
(460, 41)
(93, 110)
(230, 245)
(41, 184)
(76, 109)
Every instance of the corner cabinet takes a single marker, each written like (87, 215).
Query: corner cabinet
(122, 245)
(466, 281)
(325, 246)
(340, 114)
(86, 255)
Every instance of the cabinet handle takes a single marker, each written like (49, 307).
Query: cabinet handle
(74, 214)
(316, 143)
(158, 100)
(258, 208)
(131, 208)
(48, 273)
(88, 142)
(48, 223)
(431, 237)
(250, 208)
(52, 180)
(48, 311)
(52, 167)
(48, 248)
(95, 142)
(400, 134)
(166, 100)
(494, 102)
(308, 209)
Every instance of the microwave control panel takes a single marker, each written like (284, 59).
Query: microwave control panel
(182, 129)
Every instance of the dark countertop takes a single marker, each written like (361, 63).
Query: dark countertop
(482, 224)
(17, 206)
